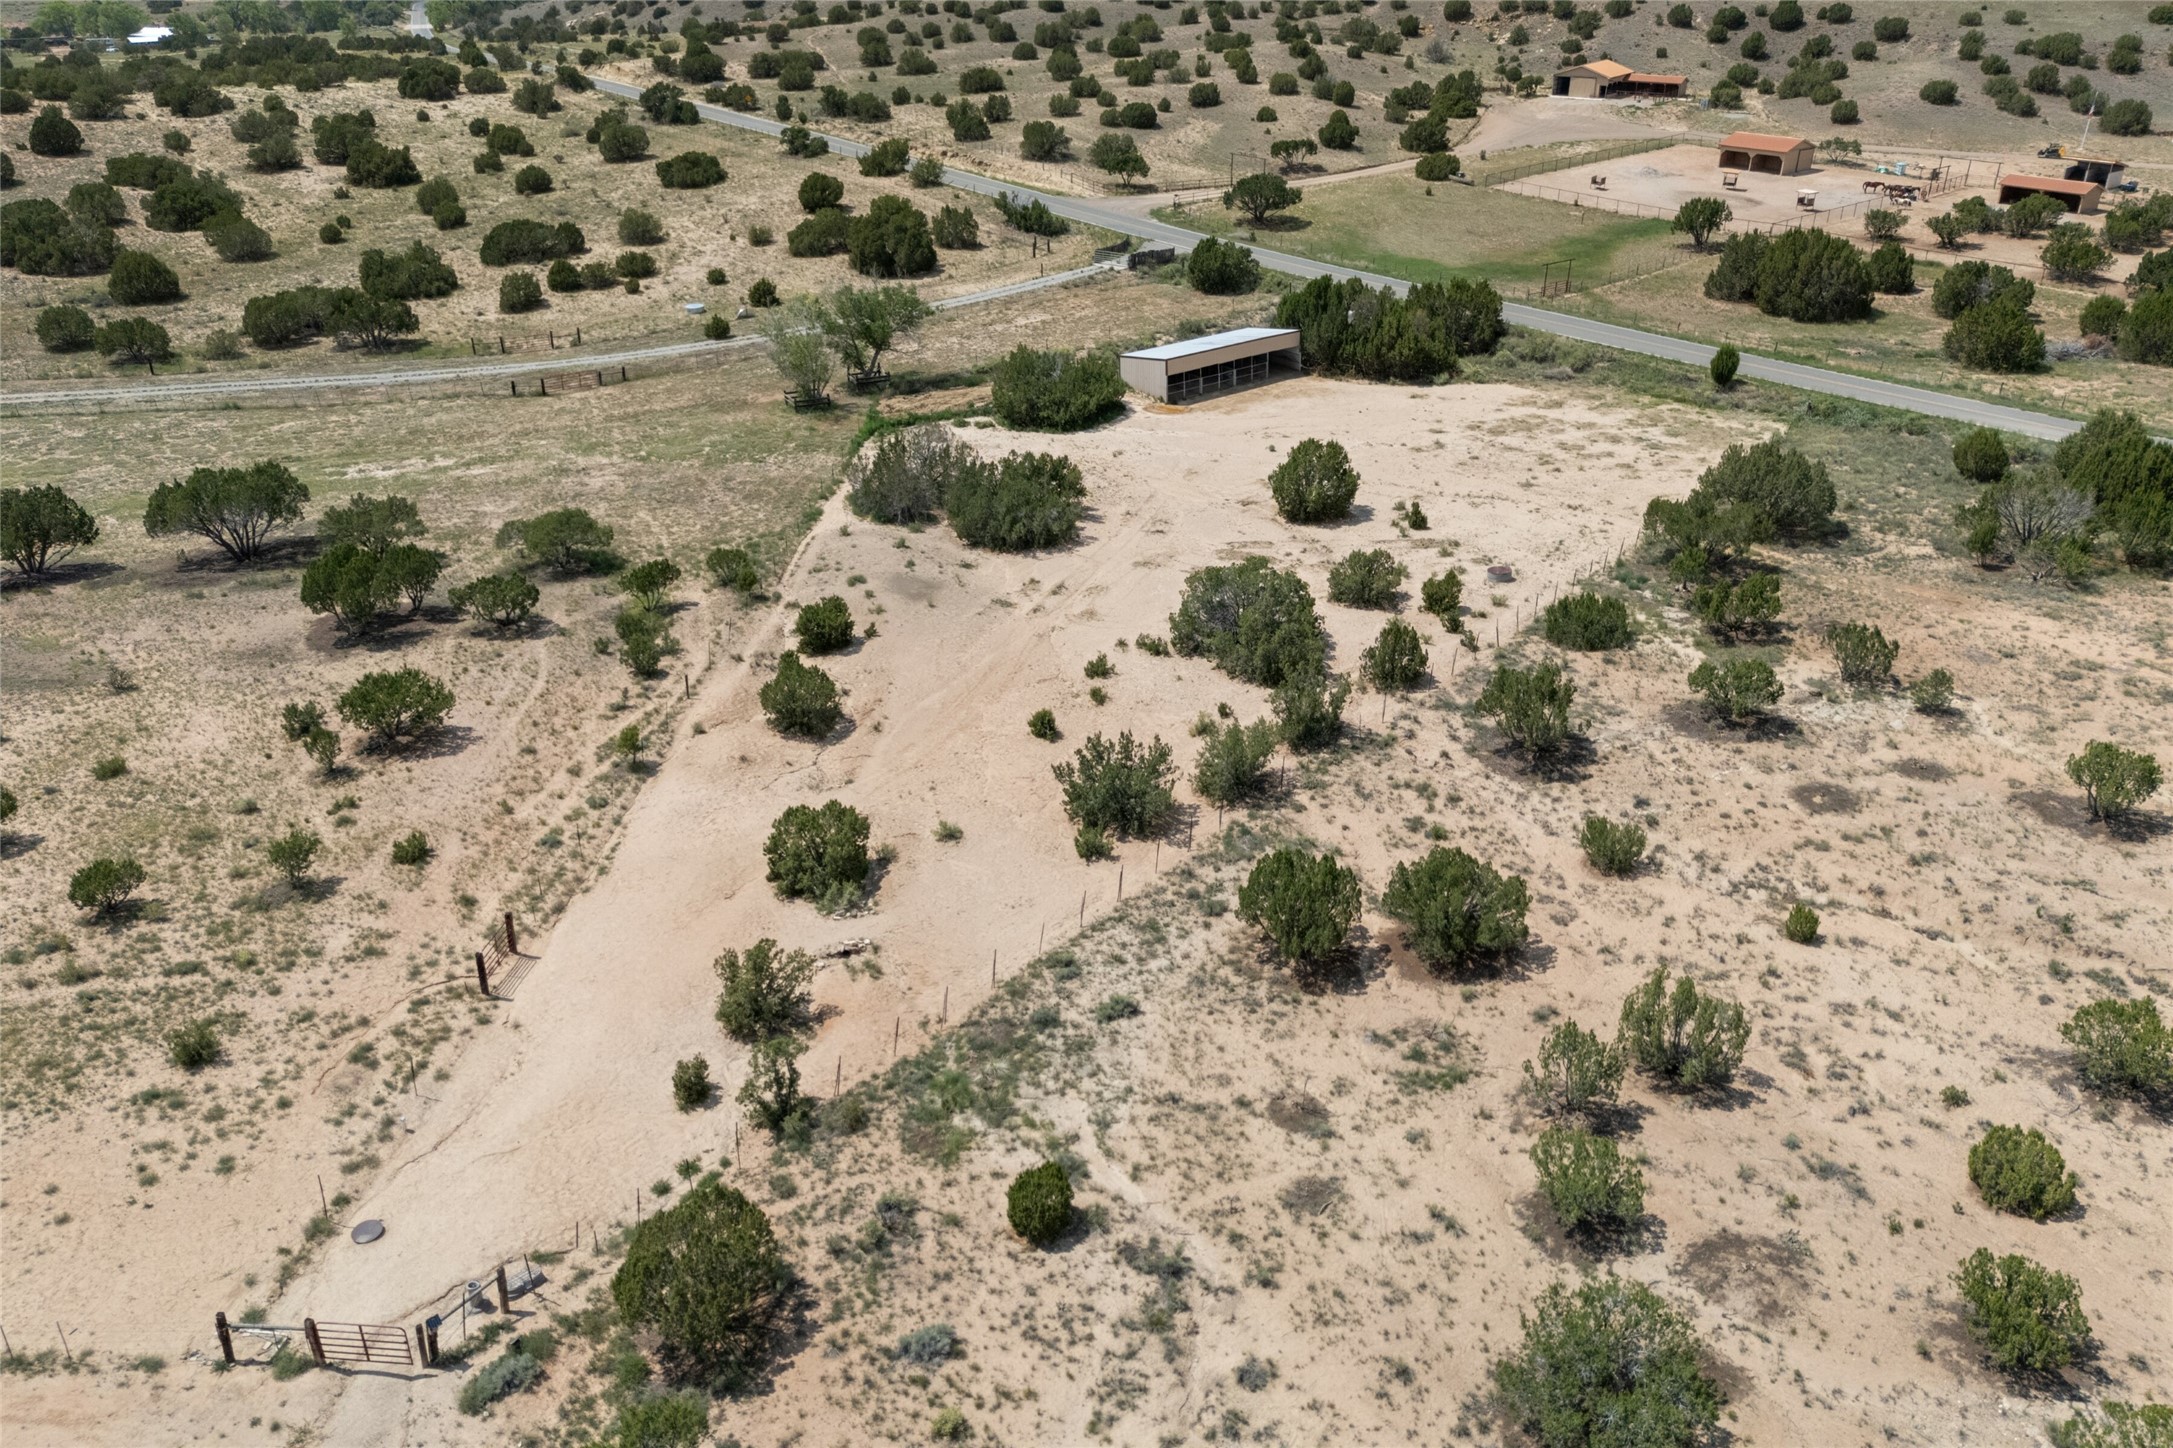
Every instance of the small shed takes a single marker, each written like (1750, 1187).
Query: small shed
(1773, 155)
(2104, 170)
(2079, 196)
(1184, 371)
(1608, 79)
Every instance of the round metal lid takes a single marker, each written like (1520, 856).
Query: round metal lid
(369, 1231)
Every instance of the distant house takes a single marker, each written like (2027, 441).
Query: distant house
(1612, 80)
(2079, 196)
(1773, 155)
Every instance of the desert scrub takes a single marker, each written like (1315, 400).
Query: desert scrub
(412, 848)
(1587, 622)
(2122, 1047)
(2019, 1171)
(511, 1373)
(1042, 725)
(819, 854)
(765, 991)
(1612, 849)
(1039, 1203)
(1801, 924)
(1586, 1181)
(1576, 1072)
(1865, 655)
(1609, 1352)
(1443, 596)
(1315, 483)
(193, 1045)
(1366, 578)
(1396, 660)
(1531, 706)
(824, 627)
(110, 767)
(1099, 667)
(1934, 693)
(2028, 1319)
(1684, 1036)
(1457, 910)
(691, 1086)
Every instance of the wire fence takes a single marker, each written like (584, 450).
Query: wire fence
(1561, 160)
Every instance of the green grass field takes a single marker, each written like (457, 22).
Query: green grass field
(1389, 224)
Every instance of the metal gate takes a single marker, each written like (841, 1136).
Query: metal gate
(357, 1342)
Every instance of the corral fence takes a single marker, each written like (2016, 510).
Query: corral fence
(377, 1344)
(588, 380)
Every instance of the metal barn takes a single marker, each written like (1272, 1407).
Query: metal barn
(1187, 371)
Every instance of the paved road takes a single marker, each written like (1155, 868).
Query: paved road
(174, 387)
(1098, 213)
(418, 22)
(1094, 212)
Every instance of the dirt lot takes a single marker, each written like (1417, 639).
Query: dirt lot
(1342, 1173)
(703, 229)
(1663, 180)
(345, 1006)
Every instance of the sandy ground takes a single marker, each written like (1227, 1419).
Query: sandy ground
(1383, 1306)
(1655, 183)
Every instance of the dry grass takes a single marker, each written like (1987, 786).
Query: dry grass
(703, 229)
(1901, 342)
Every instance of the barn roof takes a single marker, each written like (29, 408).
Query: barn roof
(2053, 185)
(1170, 351)
(1759, 141)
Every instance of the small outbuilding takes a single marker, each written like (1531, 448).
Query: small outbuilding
(1186, 371)
(1772, 155)
(2104, 170)
(2078, 196)
(1611, 80)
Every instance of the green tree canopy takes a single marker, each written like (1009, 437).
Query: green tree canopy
(235, 508)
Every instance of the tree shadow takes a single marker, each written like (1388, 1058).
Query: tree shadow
(285, 551)
(1589, 1244)
(2139, 826)
(1569, 763)
(60, 575)
(441, 743)
(14, 845)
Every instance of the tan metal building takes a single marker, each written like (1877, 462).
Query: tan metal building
(2078, 196)
(1611, 79)
(1772, 155)
(1184, 371)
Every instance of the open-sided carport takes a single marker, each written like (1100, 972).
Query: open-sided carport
(1183, 371)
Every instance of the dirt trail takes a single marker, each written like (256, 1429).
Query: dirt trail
(563, 1114)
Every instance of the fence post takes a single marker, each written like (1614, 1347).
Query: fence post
(622, 374)
(511, 948)
(430, 1329)
(516, 386)
(505, 1296)
(599, 377)
(482, 974)
(577, 336)
(316, 1344)
(501, 346)
(543, 387)
(226, 1337)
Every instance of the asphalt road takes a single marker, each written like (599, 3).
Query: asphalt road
(1091, 213)
(1628, 339)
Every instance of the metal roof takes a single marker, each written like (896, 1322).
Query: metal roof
(1169, 351)
(1604, 69)
(1763, 144)
(2054, 185)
